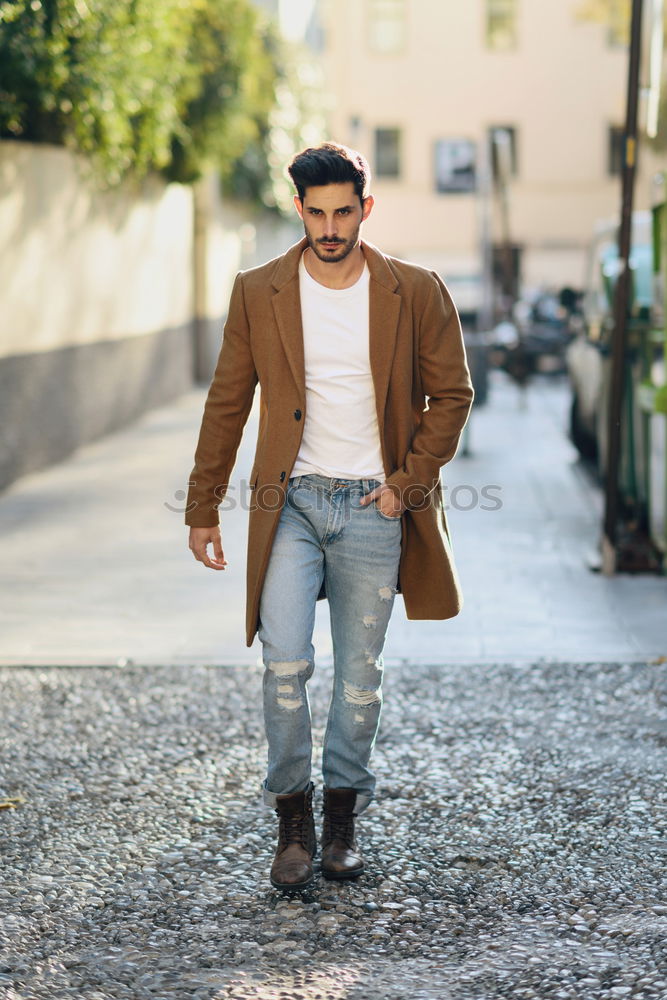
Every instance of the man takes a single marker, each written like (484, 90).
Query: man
(364, 394)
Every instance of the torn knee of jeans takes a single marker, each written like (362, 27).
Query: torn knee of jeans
(361, 697)
(287, 668)
(288, 696)
(386, 593)
(289, 704)
(370, 621)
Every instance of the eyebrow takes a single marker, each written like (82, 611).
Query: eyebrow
(339, 208)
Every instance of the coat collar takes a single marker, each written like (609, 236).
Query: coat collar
(384, 311)
(287, 266)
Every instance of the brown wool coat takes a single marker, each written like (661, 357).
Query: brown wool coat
(416, 355)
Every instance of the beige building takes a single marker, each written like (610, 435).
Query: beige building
(419, 85)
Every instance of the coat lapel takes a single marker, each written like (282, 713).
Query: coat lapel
(384, 311)
(385, 307)
(287, 310)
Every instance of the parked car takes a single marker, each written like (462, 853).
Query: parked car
(587, 356)
(642, 478)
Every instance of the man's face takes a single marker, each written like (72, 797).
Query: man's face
(332, 217)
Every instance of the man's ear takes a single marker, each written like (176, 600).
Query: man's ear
(367, 207)
(298, 204)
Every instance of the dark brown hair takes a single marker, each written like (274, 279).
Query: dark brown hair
(330, 163)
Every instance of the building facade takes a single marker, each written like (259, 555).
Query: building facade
(421, 85)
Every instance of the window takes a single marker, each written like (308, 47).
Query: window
(615, 142)
(618, 24)
(387, 152)
(454, 166)
(501, 24)
(387, 25)
(503, 137)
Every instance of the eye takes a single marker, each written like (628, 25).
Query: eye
(343, 211)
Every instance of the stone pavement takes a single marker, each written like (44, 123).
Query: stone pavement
(516, 848)
(94, 565)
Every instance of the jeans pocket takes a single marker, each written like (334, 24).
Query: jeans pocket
(386, 517)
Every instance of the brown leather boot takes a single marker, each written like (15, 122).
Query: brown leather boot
(341, 857)
(293, 864)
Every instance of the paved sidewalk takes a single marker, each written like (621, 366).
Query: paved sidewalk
(95, 568)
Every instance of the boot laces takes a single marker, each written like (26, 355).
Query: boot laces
(293, 830)
(339, 827)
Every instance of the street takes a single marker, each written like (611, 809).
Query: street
(96, 569)
(333, 193)
(517, 844)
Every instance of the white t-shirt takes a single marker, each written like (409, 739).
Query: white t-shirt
(341, 438)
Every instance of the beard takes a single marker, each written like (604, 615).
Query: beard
(345, 247)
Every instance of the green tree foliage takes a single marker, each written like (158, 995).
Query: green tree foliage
(228, 98)
(141, 85)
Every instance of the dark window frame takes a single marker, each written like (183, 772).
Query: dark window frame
(380, 134)
(457, 179)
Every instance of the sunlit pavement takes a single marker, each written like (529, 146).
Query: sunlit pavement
(96, 570)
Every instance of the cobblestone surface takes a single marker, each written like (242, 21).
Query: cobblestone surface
(516, 849)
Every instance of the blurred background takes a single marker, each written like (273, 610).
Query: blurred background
(143, 153)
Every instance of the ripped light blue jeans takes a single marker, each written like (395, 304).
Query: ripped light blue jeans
(325, 535)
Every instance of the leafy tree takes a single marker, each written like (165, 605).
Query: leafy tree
(297, 119)
(226, 103)
(140, 85)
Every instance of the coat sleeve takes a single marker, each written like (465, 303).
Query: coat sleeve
(226, 411)
(447, 387)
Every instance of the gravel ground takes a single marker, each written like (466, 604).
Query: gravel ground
(516, 848)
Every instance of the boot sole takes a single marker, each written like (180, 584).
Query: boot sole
(339, 876)
(293, 886)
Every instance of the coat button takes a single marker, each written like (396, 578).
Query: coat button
(297, 414)
(282, 477)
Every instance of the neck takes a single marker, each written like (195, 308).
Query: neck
(340, 275)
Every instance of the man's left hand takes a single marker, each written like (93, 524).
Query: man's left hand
(387, 501)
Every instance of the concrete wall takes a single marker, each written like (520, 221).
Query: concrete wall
(110, 302)
(96, 295)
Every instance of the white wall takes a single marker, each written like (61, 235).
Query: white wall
(111, 302)
(81, 265)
